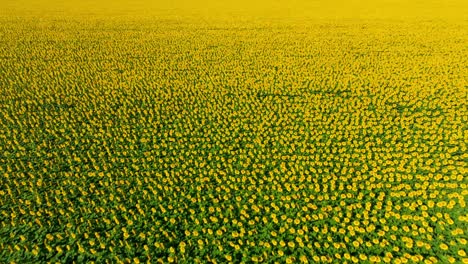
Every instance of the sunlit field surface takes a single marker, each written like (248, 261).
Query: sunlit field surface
(210, 132)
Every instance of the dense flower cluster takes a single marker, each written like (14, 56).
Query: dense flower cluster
(170, 141)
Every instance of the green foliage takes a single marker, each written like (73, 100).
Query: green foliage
(150, 140)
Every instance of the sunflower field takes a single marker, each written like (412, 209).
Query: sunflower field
(166, 135)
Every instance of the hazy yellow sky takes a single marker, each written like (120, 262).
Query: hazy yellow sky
(308, 9)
